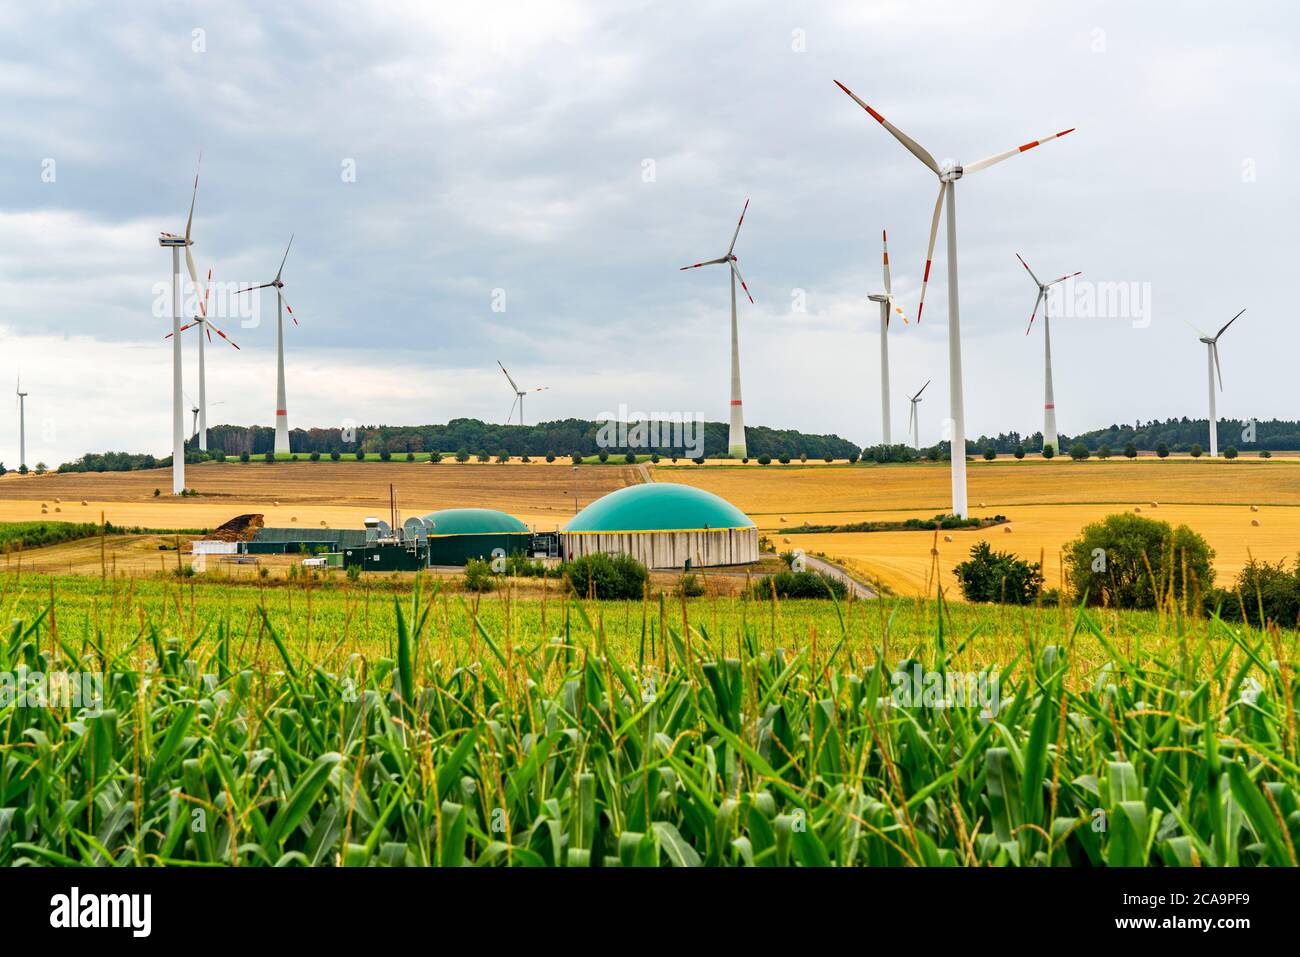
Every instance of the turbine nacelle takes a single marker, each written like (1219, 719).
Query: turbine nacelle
(950, 171)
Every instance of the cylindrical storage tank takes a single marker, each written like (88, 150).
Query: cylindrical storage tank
(458, 534)
(662, 525)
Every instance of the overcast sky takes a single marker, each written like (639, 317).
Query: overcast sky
(437, 160)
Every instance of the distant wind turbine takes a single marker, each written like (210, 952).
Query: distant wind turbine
(887, 303)
(948, 175)
(1212, 345)
(206, 328)
(736, 438)
(1049, 402)
(519, 395)
(281, 304)
(913, 420)
(22, 422)
(176, 244)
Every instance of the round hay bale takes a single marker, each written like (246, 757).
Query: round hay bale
(57, 509)
(1006, 529)
(982, 505)
(1138, 509)
(322, 523)
(947, 538)
(786, 540)
(1155, 504)
(1255, 522)
(783, 518)
(934, 551)
(1254, 508)
(57, 501)
(83, 501)
(293, 518)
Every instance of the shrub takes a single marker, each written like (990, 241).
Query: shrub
(410, 456)
(1048, 452)
(790, 584)
(1019, 452)
(157, 492)
(217, 456)
(765, 460)
(503, 456)
(828, 459)
(803, 457)
(604, 455)
(243, 456)
(521, 566)
(1126, 560)
(1267, 592)
(478, 576)
(575, 458)
(1104, 452)
(435, 458)
(360, 455)
(1162, 451)
(699, 460)
(784, 460)
(335, 456)
(1195, 450)
(293, 457)
(550, 456)
(603, 576)
(525, 457)
(483, 456)
(315, 457)
(462, 455)
(385, 455)
(1130, 451)
(998, 577)
(630, 458)
(269, 457)
(1078, 451)
(654, 458)
(1265, 454)
(853, 458)
(990, 454)
(1230, 452)
(689, 586)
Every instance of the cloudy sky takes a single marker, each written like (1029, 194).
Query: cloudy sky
(520, 181)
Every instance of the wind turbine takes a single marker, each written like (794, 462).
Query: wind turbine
(176, 244)
(206, 327)
(1212, 344)
(948, 175)
(887, 302)
(281, 304)
(736, 438)
(912, 419)
(22, 422)
(519, 395)
(1049, 403)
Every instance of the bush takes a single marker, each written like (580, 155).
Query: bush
(654, 458)
(765, 460)
(575, 458)
(828, 459)
(784, 460)
(503, 456)
(789, 584)
(335, 456)
(462, 455)
(385, 455)
(435, 458)
(1230, 452)
(1162, 450)
(293, 457)
(604, 455)
(520, 565)
(478, 576)
(1267, 592)
(990, 454)
(853, 458)
(1130, 451)
(483, 456)
(699, 460)
(1114, 561)
(689, 586)
(550, 456)
(1019, 452)
(1078, 451)
(603, 576)
(998, 577)
(1104, 452)
(243, 456)
(1265, 454)
(410, 456)
(315, 457)
(630, 458)
(217, 456)
(1195, 450)
(360, 455)
(1048, 452)
(269, 457)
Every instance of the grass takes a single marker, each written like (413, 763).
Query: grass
(349, 726)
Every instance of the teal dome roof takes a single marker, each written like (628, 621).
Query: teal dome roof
(473, 521)
(658, 506)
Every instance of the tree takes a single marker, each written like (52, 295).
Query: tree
(1048, 452)
(1019, 452)
(990, 454)
(1103, 452)
(550, 456)
(765, 460)
(3, 470)
(1162, 450)
(1230, 452)
(1265, 454)
(385, 455)
(1078, 451)
(784, 460)
(699, 460)
(576, 458)
(410, 456)
(335, 455)
(1195, 450)
(630, 458)
(268, 458)
(315, 457)
(435, 457)
(503, 456)
(1130, 450)
(998, 577)
(1125, 560)
(243, 456)
(462, 455)
(360, 455)
(604, 455)
(483, 455)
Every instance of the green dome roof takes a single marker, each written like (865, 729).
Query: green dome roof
(658, 506)
(473, 521)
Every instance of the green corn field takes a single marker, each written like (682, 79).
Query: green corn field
(657, 733)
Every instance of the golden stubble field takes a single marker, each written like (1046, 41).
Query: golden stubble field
(1047, 504)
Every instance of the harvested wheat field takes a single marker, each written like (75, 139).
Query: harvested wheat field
(340, 494)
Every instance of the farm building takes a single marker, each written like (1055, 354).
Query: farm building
(452, 536)
(663, 525)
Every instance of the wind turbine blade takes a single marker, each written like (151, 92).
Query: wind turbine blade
(999, 157)
(1069, 275)
(193, 197)
(208, 330)
(1027, 269)
(541, 388)
(707, 262)
(929, 251)
(922, 389)
(911, 416)
(286, 258)
(508, 379)
(194, 278)
(737, 232)
(1214, 347)
(288, 308)
(511, 413)
(913, 147)
(253, 288)
(1225, 327)
(884, 243)
(213, 329)
(893, 304)
(736, 270)
(1037, 302)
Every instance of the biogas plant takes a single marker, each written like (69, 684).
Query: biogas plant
(661, 525)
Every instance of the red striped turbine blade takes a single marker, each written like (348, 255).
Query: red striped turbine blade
(929, 252)
(737, 232)
(289, 309)
(999, 157)
(911, 145)
(742, 280)
(222, 335)
(1033, 315)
